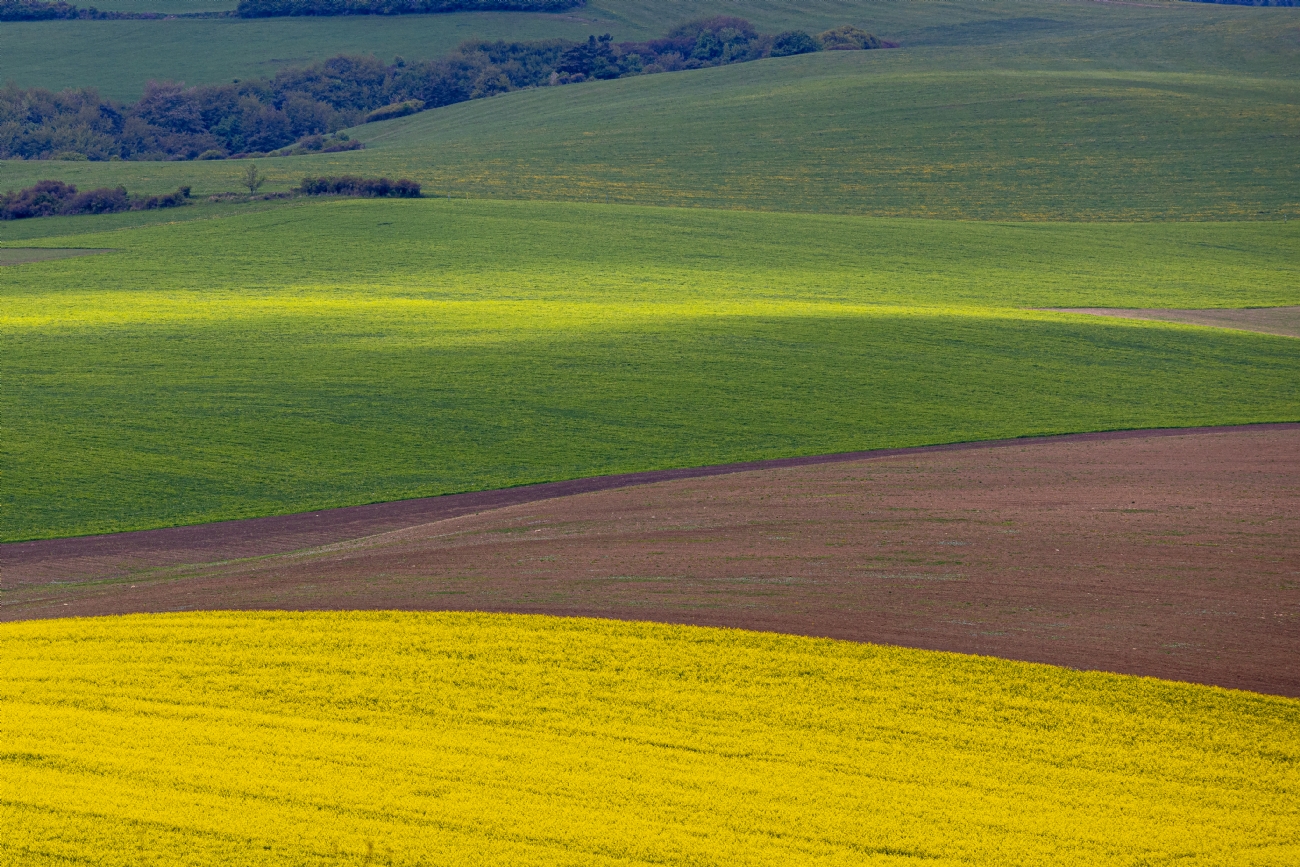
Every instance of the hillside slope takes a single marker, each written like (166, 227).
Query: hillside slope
(886, 133)
(346, 352)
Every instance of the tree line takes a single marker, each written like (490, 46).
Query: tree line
(303, 109)
(58, 199)
(60, 10)
(276, 8)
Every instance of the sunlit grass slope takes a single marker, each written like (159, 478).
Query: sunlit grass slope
(222, 738)
(353, 351)
(883, 133)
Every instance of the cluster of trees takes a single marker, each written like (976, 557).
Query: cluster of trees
(55, 198)
(52, 10)
(707, 42)
(59, 10)
(275, 8)
(302, 109)
(1253, 2)
(369, 188)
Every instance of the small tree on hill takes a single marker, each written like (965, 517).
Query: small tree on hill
(253, 179)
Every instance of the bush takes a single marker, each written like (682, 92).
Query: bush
(794, 42)
(55, 198)
(848, 38)
(397, 109)
(370, 188)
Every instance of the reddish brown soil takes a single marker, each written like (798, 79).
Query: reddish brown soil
(1176, 556)
(1266, 320)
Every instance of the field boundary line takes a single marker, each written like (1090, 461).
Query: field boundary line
(282, 534)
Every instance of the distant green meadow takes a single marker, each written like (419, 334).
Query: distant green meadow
(870, 132)
(342, 352)
(119, 57)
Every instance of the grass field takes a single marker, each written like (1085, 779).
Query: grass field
(119, 57)
(1009, 111)
(353, 351)
(844, 132)
(479, 739)
(104, 54)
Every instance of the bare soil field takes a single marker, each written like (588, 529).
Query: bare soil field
(1174, 554)
(1284, 321)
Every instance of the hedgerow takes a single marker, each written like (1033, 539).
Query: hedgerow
(370, 188)
(55, 198)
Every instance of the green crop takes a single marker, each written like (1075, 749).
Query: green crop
(119, 57)
(341, 352)
(876, 132)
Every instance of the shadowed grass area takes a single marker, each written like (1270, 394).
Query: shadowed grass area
(343, 352)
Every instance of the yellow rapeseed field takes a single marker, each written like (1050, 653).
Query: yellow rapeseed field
(348, 738)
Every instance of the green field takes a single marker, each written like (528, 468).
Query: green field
(882, 133)
(245, 359)
(119, 57)
(199, 51)
(353, 351)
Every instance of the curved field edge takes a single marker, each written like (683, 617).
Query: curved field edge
(268, 535)
(318, 738)
(336, 353)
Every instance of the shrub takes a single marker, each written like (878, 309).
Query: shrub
(55, 198)
(349, 185)
(397, 109)
(794, 42)
(848, 38)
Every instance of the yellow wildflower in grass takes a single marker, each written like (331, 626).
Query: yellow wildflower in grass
(279, 738)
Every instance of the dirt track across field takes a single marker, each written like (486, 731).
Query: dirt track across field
(1283, 321)
(1166, 553)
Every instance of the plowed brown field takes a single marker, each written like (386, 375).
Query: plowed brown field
(1173, 554)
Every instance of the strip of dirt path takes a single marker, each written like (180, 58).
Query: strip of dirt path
(1167, 553)
(1283, 321)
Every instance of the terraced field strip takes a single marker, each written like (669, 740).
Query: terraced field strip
(219, 738)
